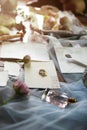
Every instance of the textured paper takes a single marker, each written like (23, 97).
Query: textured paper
(37, 52)
(12, 68)
(79, 54)
(34, 80)
(3, 78)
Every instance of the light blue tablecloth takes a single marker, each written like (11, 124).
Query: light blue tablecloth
(31, 113)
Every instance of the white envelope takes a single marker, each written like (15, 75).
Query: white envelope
(79, 54)
(34, 80)
(3, 78)
(12, 68)
(37, 52)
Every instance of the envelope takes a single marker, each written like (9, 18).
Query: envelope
(79, 54)
(34, 79)
(3, 78)
(37, 52)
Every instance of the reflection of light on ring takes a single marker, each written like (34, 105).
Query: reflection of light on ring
(42, 72)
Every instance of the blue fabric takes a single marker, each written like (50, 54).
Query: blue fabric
(31, 113)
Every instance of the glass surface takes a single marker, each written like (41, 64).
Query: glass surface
(59, 99)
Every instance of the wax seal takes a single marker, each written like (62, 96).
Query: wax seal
(42, 72)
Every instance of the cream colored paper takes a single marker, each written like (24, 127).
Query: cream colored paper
(3, 78)
(79, 54)
(38, 52)
(34, 80)
(12, 68)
